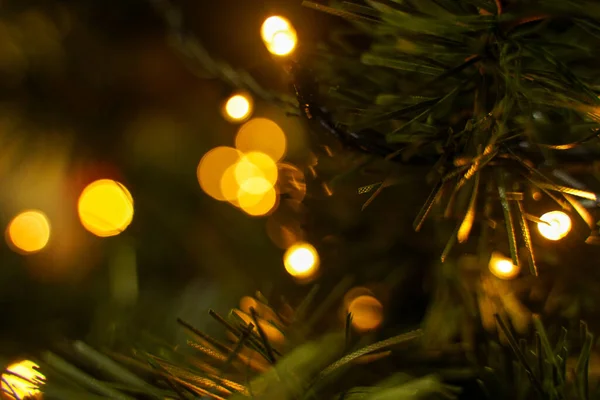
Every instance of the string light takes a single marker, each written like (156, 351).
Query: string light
(262, 135)
(301, 260)
(105, 208)
(215, 172)
(279, 36)
(238, 107)
(22, 380)
(28, 232)
(556, 225)
(367, 313)
(503, 267)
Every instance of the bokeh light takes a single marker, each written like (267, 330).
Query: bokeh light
(502, 267)
(28, 232)
(272, 25)
(256, 165)
(212, 169)
(262, 135)
(556, 225)
(255, 203)
(367, 313)
(105, 208)
(301, 260)
(22, 380)
(274, 335)
(279, 36)
(238, 107)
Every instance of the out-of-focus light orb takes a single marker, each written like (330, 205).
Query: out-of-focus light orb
(262, 135)
(105, 208)
(238, 107)
(212, 168)
(26, 384)
(272, 25)
(557, 226)
(253, 200)
(301, 260)
(367, 313)
(256, 165)
(28, 232)
(503, 267)
(279, 36)
(273, 334)
(283, 43)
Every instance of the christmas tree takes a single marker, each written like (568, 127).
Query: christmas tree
(480, 283)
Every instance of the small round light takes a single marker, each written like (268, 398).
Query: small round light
(283, 43)
(556, 225)
(301, 260)
(367, 313)
(503, 267)
(279, 36)
(238, 108)
(28, 232)
(105, 208)
(271, 26)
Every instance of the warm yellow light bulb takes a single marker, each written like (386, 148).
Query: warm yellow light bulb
(272, 25)
(301, 260)
(105, 208)
(283, 43)
(367, 313)
(22, 380)
(238, 107)
(279, 36)
(503, 267)
(28, 232)
(556, 225)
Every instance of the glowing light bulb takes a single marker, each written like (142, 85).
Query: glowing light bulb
(503, 267)
(22, 380)
(105, 208)
(28, 232)
(279, 36)
(238, 107)
(301, 260)
(367, 313)
(262, 135)
(271, 26)
(283, 43)
(556, 225)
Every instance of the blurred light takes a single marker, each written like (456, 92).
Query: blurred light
(503, 267)
(273, 334)
(26, 384)
(229, 186)
(253, 200)
(367, 313)
(263, 310)
(262, 135)
(29, 232)
(352, 294)
(283, 43)
(212, 168)
(256, 165)
(301, 260)
(238, 107)
(271, 26)
(557, 226)
(279, 36)
(105, 208)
